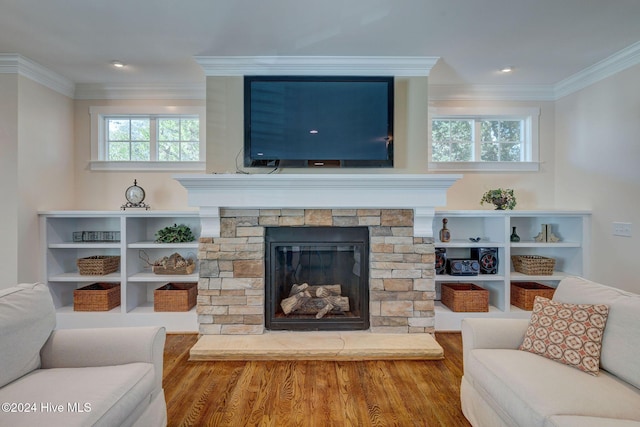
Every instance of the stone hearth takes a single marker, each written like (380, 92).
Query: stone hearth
(235, 209)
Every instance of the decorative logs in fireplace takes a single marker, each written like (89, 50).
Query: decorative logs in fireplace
(318, 300)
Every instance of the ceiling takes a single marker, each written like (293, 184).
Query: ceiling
(547, 41)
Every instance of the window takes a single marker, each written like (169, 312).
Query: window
(166, 138)
(471, 139)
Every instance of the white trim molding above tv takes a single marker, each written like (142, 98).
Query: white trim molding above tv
(399, 66)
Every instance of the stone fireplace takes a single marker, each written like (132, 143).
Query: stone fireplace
(237, 212)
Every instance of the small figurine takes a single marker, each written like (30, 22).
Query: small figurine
(445, 236)
(546, 235)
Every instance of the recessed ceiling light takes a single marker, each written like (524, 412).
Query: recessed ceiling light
(117, 64)
(507, 69)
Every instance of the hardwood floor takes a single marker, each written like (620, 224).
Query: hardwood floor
(308, 393)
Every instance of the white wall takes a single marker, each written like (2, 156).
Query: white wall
(45, 166)
(36, 168)
(598, 168)
(9, 179)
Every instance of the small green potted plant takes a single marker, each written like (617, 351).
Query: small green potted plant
(175, 234)
(500, 198)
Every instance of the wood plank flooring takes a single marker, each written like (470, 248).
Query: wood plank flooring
(311, 393)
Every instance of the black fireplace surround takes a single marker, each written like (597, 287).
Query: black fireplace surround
(317, 256)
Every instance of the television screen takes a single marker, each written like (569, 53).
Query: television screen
(317, 121)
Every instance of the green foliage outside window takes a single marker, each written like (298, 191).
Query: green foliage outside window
(129, 139)
(453, 140)
(501, 140)
(178, 139)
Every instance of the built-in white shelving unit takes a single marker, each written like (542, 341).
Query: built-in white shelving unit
(494, 229)
(137, 230)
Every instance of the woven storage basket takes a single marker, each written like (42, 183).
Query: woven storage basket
(465, 297)
(175, 297)
(524, 293)
(98, 265)
(533, 265)
(97, 297)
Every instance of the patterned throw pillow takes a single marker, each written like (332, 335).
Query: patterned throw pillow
(567, 333)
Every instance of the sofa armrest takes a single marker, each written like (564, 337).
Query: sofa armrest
(492, 333)
(76, 348)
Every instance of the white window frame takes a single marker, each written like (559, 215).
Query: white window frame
(531, 148)
(99, 160)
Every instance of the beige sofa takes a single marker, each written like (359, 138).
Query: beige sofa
(504, 386)
(81, 377)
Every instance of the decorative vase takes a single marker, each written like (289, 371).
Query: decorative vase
(514, 236)
(499, 203)
(445, 236)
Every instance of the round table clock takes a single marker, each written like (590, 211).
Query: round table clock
(135, 197)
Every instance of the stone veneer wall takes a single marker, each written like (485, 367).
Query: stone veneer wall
(231, 292)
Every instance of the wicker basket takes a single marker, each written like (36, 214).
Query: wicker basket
(533, 265)
(524, 293)
(465, 297)
(175, 297)
(98, 265)
(97, 297)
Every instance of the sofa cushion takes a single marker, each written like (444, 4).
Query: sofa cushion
(567, 333)
(534, 388)
(27, 317)
(102, 396)
(621, 340)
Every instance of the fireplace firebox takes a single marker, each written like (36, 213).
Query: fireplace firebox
(317, 278)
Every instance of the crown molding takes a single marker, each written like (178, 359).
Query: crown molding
(316, 65)
(17, 64)
(617, 62)
(140, 91)
(491, 93)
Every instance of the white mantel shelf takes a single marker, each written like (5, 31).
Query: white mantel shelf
(420, 192)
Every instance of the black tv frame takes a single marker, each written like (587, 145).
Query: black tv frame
(289, 163)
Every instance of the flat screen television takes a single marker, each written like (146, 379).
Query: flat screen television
(304, 121)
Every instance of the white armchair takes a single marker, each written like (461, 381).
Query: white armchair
(75, 377)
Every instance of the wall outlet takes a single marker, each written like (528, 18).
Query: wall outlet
(622, 229)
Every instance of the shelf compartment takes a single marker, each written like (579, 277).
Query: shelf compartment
(61, 229)
(490, 228)
(141, 231)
